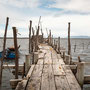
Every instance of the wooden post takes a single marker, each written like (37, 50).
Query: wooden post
(80, 73)
(23, 74)
(37, 40)
(33, 31)
(4, 45)
(75, 47)
(54, 43)
(35, 57)
(63, 55)
(69, 44)
(58, 44)
(67, 59)
(27, 63)
(16, 52)
(30, 36)
(52, 40)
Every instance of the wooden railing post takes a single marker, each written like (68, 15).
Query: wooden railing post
(4, 45)
(58, 44)
(27, 63)
(30, 36)
(69, 43)
(35, 57)
(16, 52)
(80, 73)
(67, 59)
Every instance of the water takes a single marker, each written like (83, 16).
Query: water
(82, 50)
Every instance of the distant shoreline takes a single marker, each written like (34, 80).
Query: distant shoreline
(54, 37)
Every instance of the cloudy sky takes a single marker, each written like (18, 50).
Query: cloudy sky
(55, 15)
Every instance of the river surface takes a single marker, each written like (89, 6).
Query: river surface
(79, 47)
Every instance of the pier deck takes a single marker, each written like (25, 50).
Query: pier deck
(51, 73)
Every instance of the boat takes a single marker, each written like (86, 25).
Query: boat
(9, 53)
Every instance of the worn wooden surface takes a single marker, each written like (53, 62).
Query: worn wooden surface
(51, 73)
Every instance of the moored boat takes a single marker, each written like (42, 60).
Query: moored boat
(9, 53)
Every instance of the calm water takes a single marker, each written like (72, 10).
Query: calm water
(82, 50)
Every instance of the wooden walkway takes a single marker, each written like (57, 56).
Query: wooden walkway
(51, 73)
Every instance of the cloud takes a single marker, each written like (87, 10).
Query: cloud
(21, 3)
(22, 11)
(75, 6)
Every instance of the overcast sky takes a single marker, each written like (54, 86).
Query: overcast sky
(55, 16)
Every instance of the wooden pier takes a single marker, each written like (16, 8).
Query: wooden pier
(46, 66)
(50, 73)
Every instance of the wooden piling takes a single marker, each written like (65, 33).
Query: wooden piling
(36, 42)
(52, 40)
(35, 57)
(58, 44)
(69, 44)
(80, 73)
(67, 59)
(27, 63)
(16, 52)
(30, 36)
(4, 45)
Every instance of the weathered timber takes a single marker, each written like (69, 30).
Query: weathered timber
(80, 73)
(30, 36)
(16, 52)
(14, 82)
(51, 73)
(69, 44)
(27, 63)
(4, 45)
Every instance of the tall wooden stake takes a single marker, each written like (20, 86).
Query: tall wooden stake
(30, 36)
(37, 34)
(16, 52)
(69, 44)
(59, 44)
(4, 45)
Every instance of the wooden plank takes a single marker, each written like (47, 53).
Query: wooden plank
(48, 78)
(45, 82)
(51, 79)
(34, 83)
(71, 78)
(47, 58)
(35, 80)
(30, 71)
(11, 66)
(40, 58)
(37, 71)
(61, 83)
(58, 70)
(21, 85)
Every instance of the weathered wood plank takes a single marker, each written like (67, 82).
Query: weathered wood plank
(58, 70)
(61, 83)
(48, 78)
(37, 71)
(34, 83)
(45, 82)
(71, 78)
